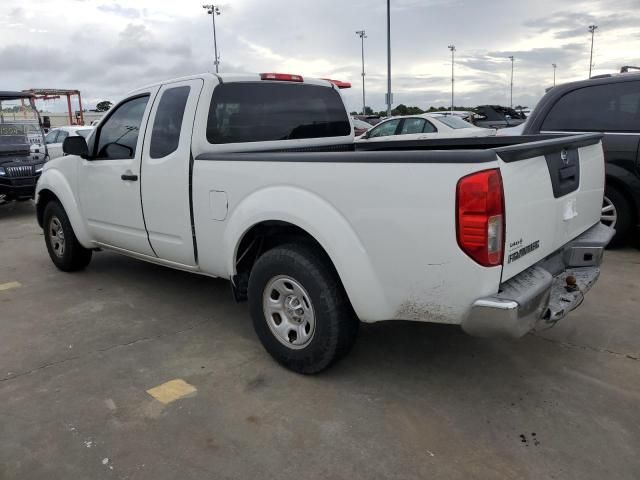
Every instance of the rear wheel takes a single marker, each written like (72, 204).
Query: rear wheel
(616, 213)
(64, 249)
(300, 311)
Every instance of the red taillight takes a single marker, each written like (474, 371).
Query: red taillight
(338, 83)
(480, 216)
(283, 77)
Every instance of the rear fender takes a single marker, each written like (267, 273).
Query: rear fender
(328, 227)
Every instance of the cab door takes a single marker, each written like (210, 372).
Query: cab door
(166, 172)
(109, 181)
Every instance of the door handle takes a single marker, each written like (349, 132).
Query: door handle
(129, 177)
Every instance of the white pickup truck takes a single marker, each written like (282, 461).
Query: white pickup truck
(256, 179)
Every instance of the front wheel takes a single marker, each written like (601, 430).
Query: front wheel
(64, 249)
(299, 308)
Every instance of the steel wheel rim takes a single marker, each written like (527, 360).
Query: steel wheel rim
(56, 237)
(609, 215)
(288, 312)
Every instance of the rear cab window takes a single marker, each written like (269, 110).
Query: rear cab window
(245, 112)
(165, 136)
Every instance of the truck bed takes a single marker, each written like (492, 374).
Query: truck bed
(396, 209)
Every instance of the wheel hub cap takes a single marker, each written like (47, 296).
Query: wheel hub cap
(56, 236)
(288, 312)
(609, 214)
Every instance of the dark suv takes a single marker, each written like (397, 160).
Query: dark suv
(608, 104)
(20, 129)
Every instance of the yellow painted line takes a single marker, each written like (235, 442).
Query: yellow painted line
(9, 286)
(172, 390)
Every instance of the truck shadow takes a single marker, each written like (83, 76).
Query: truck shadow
(385, 351)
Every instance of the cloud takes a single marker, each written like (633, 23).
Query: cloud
(117, 9)
(109, 47)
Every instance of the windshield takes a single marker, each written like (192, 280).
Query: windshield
(454, 122)
(19, 126)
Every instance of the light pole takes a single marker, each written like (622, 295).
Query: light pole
(453, 52)
(389, 58)
(592, 29)
(214, 10)
(362, 34)
(511, 95)
(554, 73)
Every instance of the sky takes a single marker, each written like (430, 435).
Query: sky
(107, 48)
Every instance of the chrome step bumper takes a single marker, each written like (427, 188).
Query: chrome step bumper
(543, 294)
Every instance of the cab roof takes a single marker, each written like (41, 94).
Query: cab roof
(243, 77)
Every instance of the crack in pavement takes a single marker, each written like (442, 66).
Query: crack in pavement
(588, 347)
(102, 350)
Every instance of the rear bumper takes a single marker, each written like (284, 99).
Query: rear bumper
(543, 294)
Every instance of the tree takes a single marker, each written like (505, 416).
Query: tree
(104, 105)
(368, 110)
(401, 109)
(404, 110)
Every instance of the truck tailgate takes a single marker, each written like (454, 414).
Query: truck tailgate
(552, 192)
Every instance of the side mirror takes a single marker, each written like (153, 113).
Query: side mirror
(75, 146)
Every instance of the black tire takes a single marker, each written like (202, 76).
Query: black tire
(336, 325)
(73, 256)
(624, 213)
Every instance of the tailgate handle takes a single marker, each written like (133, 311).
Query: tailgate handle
(568, 173)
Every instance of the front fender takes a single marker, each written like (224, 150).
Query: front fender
(328, 227)
(56, 182)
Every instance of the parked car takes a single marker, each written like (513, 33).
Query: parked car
(423, 127)
(496, 116)
(20, 160)
(256, 178)
(360, 126)
(56, 136)
(608, 104)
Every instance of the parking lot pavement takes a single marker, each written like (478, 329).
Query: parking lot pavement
(78, 353)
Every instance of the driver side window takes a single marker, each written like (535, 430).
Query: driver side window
(118, 136)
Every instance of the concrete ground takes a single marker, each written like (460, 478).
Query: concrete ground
(79, 351)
